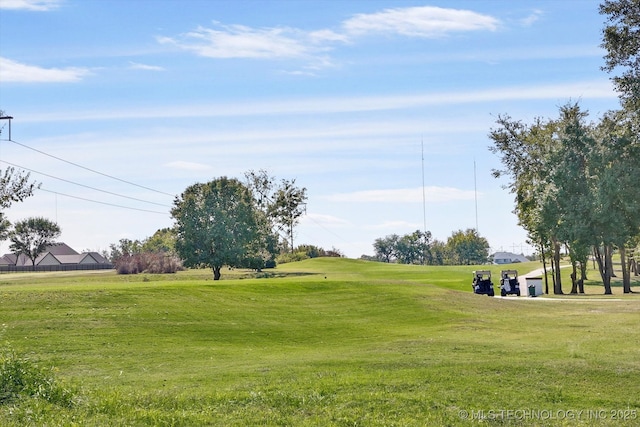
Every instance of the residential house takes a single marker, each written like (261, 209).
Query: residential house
(508, 258)
(58, 256)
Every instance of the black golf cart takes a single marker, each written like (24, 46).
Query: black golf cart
(482, 283)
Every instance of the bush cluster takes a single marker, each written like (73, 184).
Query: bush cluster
(22, 378)
(148, 262)
(305, 252)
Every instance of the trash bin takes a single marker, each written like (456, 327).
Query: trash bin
(534, 286)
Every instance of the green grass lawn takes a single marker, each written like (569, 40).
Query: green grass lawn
(322, 342)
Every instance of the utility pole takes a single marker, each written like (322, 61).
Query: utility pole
(8, 118)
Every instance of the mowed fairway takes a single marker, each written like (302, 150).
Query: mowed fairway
(320, 343)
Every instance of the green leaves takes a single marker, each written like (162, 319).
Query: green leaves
(575, 182)
(15, 187)
(31, 237)
(621, 39)
(217, 224)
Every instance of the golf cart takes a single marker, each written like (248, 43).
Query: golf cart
(509, 284)
(482, 283)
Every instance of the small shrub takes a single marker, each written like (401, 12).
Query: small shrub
(291, 257)
(303, 252)
(128, 264)
(21, 377)
(148, 262)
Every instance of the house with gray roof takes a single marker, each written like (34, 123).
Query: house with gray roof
(508, 258)
(56, 257)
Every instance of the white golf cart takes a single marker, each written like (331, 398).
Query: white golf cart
(509, 284)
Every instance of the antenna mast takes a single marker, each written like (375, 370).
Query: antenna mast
(475, 190)
(424, 201)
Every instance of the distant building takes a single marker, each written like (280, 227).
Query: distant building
(58, 256)
(508, 258)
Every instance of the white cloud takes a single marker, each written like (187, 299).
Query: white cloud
(404, 195)
(532, 18)
(426, 21)
(12, 71)
(138, 66)
(326, 35)
(596, 89)
(324, 220)
(191, 166)
(239, 41)
(33, 5)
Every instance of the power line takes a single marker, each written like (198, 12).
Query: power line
(89, 169)
(103, 203)
(84, 185)
(115, 194)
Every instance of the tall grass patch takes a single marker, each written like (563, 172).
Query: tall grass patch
(22, 379)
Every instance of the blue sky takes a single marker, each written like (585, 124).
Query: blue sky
(342, 96)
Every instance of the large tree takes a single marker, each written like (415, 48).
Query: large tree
(162, 241)
(283, 204)
(385, 247)
(621, 39)
(30, 237)
(523, 150)
(616, 207)
(413, 248)
(570, 176)
(467, 247)
(289, 204)
(576, 185)
(218, 224)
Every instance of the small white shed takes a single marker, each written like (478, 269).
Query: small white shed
(536, 284)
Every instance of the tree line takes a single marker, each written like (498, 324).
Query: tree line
(224, 222)
(576, 182)
(461, 248)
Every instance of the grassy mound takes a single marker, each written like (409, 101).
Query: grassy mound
(320, 342)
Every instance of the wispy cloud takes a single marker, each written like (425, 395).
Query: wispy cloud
(324, 220)
(395, 225)
(426, 21)
(596, 89)
(240, 41)
(138, 66)
(404, 195)
(190, 166)
(532, 18)
(12, 71)
(32, 5)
